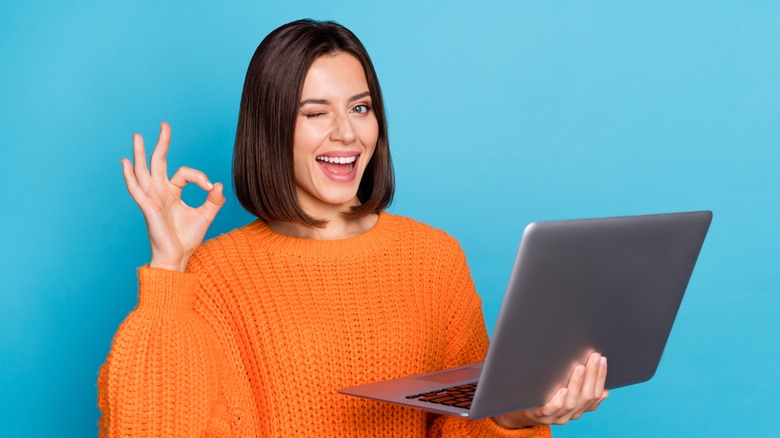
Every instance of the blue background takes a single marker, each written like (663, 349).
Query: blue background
(500, 114)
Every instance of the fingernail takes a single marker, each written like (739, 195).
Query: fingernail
(580, 371)
(211, 186)
(564, 393)
(603, 361)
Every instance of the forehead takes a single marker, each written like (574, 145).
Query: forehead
(334, 76)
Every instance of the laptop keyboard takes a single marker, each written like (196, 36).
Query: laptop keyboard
(458, 396)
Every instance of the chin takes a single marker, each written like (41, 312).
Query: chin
(335, 197)
(345, 200)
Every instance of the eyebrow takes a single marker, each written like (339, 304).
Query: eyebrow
(325, 101)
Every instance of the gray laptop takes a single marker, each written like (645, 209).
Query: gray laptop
(611, 285)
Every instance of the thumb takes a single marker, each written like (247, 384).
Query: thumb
(214, 201)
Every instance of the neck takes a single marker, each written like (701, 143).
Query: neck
(338, 227)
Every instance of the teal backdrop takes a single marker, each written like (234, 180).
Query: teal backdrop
(500, 114)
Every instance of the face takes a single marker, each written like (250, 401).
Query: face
(335, 134)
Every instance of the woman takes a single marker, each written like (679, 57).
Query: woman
(252, 333)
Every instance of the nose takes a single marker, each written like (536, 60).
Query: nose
(343, 131)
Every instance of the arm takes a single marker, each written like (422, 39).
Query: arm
(162, 376)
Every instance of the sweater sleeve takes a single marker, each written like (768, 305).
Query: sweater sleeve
(162, 375)
(467, 342)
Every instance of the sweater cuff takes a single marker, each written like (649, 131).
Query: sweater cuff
(164, 291)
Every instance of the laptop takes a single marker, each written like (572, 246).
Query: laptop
(611, 285)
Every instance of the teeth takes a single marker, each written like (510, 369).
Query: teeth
(339, 160)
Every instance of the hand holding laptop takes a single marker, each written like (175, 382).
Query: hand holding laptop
(584, 392)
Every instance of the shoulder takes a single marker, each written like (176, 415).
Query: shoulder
(230, 239)
(223, 248)
(422, 236)
(435, 255)
(409, 227)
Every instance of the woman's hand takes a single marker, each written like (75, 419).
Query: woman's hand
(175, 229)
(584, 393)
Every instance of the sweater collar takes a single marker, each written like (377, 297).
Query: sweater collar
(357, 246)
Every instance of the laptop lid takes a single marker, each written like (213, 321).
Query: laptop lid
(612, 285)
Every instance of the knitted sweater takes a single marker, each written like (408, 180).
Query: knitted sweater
(259, 333)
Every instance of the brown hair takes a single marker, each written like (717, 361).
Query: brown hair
(263, 175)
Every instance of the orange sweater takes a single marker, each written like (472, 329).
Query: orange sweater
(255, 339)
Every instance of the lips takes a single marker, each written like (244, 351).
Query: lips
(339, 167)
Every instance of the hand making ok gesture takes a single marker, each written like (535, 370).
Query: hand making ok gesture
(175, 229)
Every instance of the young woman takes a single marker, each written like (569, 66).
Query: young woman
(251, 334)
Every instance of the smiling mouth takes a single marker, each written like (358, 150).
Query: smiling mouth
(341, 166)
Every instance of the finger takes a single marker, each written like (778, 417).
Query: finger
(127, 172)
(601, 379)
(580, 386)
(213, 203)
(139, 161)
(158, 163)
(189, 175)
(575, 388)
(595, 406)
(133, 187)
(556, 402)
(591, 377)
(587, 396)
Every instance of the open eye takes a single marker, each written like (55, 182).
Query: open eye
(361, 109)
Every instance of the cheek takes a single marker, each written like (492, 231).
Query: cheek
(303, 147)
(306, 138)
(369, 135)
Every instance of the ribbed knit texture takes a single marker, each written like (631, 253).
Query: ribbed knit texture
(257, 336)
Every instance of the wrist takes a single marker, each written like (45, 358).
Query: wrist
(167, 265)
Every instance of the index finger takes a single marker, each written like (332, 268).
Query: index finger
(158, 165)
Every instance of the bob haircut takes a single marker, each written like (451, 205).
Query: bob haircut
(263, 173)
